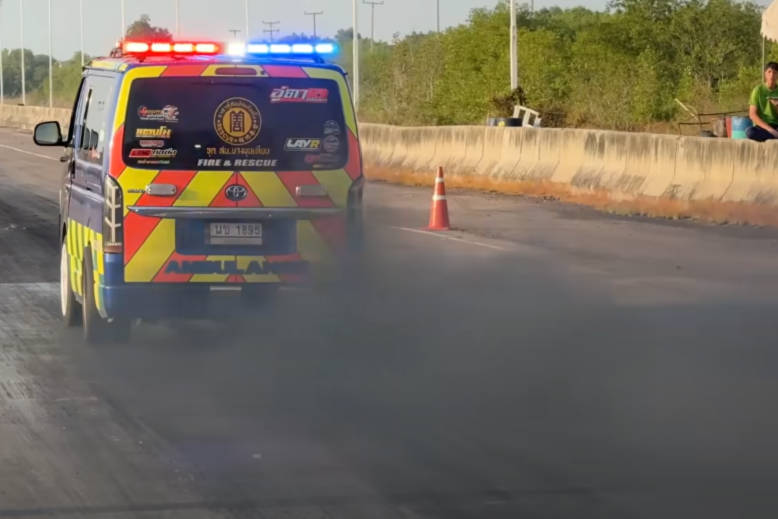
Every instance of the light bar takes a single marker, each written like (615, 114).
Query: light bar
(236, 48)
(290, 49)
(135, 47)
(326, 48)
(258, 48)
(280, 48)
(183, 48)
(166, 47)
(206, 48)
(161, 47)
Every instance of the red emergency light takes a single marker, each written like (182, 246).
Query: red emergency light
(160, 48)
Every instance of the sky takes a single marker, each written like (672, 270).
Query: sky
(212, 19)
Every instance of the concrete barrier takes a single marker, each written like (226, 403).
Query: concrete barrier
(664, 175)
(26, 117)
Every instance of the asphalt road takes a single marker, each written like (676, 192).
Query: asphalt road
(543, 360)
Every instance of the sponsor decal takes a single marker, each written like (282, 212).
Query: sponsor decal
(302, 144)
(237, 121)
(299, 95)
(166, 114)
(231, 267)
(236, 192)
(331, 128)
(331, 144)
(163, 132)
(147, 153)
(321, 160)
(237, 163)
(152, 143)
(244, 152)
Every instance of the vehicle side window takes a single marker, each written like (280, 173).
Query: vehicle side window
(97, 93)
(73, 114)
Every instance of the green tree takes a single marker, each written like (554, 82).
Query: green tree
(142, 29)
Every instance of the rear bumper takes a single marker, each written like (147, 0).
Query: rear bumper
(175, 300)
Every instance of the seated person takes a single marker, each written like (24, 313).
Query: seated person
(763, 107)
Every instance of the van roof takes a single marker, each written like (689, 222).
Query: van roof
(125, 63)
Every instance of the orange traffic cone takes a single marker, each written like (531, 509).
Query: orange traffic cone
(439, 209)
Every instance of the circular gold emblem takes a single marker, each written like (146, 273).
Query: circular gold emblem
(237, 121)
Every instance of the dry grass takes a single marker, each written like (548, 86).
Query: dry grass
(707, 210)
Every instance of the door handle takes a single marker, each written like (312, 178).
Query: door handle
(64, 158)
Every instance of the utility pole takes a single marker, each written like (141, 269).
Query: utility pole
(2, 90)
(514, 48)
(178, 20)
(124, 25)
(314, 14)
(234, 32)
(21, 47)
(81, 28)
(372, 5)
(246, 18)
(355, 51)
(51, 69)
(437, 17)
(271, 29)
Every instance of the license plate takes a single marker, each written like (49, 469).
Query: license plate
(235, 234)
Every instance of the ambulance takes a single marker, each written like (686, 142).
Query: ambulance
(192, 169)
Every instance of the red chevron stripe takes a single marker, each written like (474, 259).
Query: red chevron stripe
(180, 179)
(136, 229)
(333, 230)
(252, 200)
(292, 179)
(221, 200)
(185, 70)
(172, 277)
(284, 71)
(283, 258)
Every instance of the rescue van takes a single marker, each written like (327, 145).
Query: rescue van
(190, 170)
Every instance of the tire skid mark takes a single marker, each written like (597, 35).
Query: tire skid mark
(61, 444)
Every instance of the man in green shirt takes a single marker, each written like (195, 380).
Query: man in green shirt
(763, 107)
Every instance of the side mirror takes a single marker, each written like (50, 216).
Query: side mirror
(48, 134)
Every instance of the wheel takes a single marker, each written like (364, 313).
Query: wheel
(97, 329)
(71, 309)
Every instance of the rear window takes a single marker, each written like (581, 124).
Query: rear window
(200, 123)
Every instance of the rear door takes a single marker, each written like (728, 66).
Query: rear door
(254, 146)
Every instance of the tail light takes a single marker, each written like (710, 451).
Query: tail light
(113, 217)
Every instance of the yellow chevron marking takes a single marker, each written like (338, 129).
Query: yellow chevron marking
(153, 253)
(124, 92)
(105, 64)
(310, 245)
(345, 94)
(135, 180)
(269, 188)
(203, 188)
(212, 278)
(337, 183)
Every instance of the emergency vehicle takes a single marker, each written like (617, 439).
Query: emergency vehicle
(190, 170)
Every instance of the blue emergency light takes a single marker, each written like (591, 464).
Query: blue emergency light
(283, 49)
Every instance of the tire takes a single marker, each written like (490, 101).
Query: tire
(70, 309)
(97, 329)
